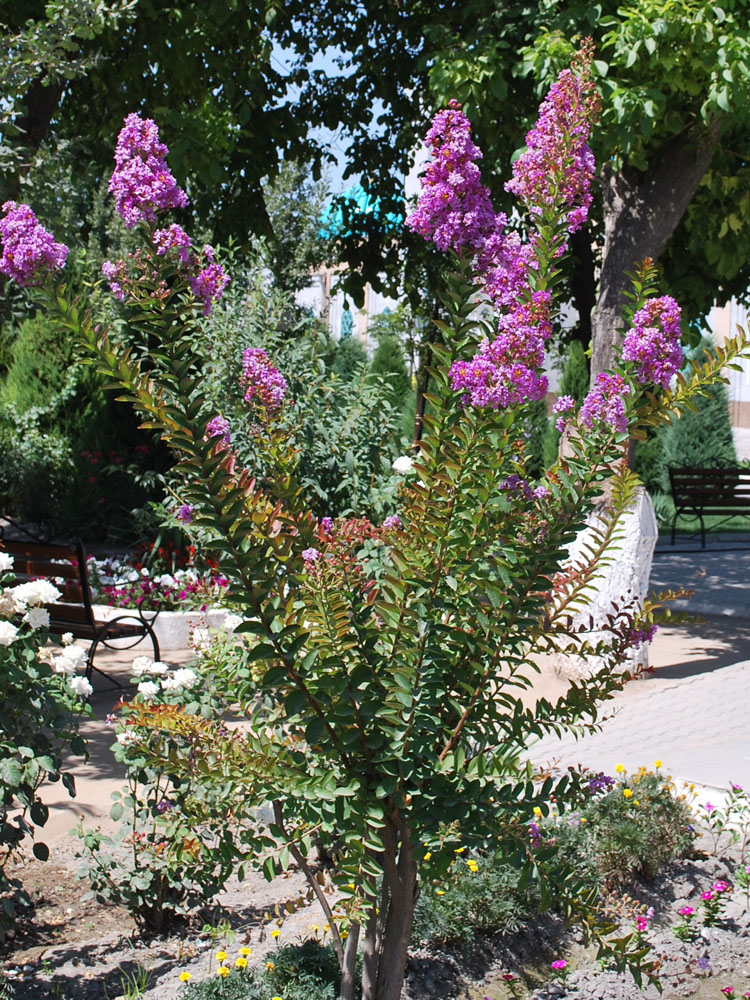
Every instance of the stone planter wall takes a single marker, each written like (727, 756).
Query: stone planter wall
(172, 628)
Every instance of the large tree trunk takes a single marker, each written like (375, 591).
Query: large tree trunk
(641, 211)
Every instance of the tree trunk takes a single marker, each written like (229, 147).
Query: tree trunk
(389, 931)
(641, 211)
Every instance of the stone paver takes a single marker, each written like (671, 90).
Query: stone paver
(698, 726)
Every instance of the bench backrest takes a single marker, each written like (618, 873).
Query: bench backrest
(729, 485)
(65, 566)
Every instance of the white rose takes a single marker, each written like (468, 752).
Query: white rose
(200, 640)
(81, 686)
(8, 604)
(141, 665)
(149, 689)
(126, 737)
(66, 638)
(6, 562)
(157, 668)
(36, 592)
(184, 677)
(37, 617)
(75, 656)
(8, 633)
(403, 464)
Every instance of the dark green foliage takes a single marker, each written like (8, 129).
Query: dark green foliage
(538, 432)
(388, 361)
(308, 971)
(349, 358)
(40, 359)
(575, 373)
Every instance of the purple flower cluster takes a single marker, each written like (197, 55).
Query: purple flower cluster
(208, 285)
(218, 427)
(605, 403)
(556, 169)
(646, 633)
(454, 209)
(515, 484)
(392, 523)
(141, 182)
(264, 382)
(562, 405)
(326, 525)
(311, 555)
(185, 513)
(491, 379)
(29, 251)
(116, 274)
(600, 783)
(172, 238)
(653, 343)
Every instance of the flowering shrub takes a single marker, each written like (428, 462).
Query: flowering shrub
(376, 703)
(42, 697)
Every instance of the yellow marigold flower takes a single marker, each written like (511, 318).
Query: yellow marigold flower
(275, 932)
(657, 763)
(315, 928)
(439, 892)
(240, 963)
(636, 802)
(537, 811)
(185, 977)
(277, 998)
(427, 856)
(223, 971)
(246, 951)
(221, 956)
(619, 768)
(350, 886)
(459, 850)
(326, 928)
(344, 935)
(627, 793)
(583, 819)
(270, 966)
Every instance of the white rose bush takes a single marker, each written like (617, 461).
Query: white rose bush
(42, 696)
(380, 696)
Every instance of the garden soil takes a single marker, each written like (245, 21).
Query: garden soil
(72, 948)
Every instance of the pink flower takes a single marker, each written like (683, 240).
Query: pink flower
(687, 911)
(29, 251)
(141, 182)
(558, 964)
(721, 886)
(707, 895)
(311, 555)
(392, 522)
(115, 273)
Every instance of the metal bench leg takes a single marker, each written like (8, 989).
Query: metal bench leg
(91, 668)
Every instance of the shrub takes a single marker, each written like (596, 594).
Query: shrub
(40, 708)
(308, 971)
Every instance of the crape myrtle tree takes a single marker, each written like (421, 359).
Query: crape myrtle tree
(381, 713)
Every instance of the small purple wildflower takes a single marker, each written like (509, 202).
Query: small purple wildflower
(600, 783)
(326, 525)
(264, 382)
(703, 963)
(30, 253)
(141, 182)
(311, 555)
(115, 273)
(166, 805)
(392, 522)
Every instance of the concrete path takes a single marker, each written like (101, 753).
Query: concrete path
(693, 711)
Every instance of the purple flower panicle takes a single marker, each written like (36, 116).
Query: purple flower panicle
(653, 343)
(218, 426)
(605, 403)
(173, 238)
(557, 167)
(454, 209)
(185, 513)
(142, 183)
(392, 523)
(208, 285)
(116, 274)
(30, 253)
(311, 555)
(264, 382)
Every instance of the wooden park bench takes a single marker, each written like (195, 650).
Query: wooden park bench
(66, 567)
(707, 492)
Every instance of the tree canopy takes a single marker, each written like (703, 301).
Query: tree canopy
(239, 88)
